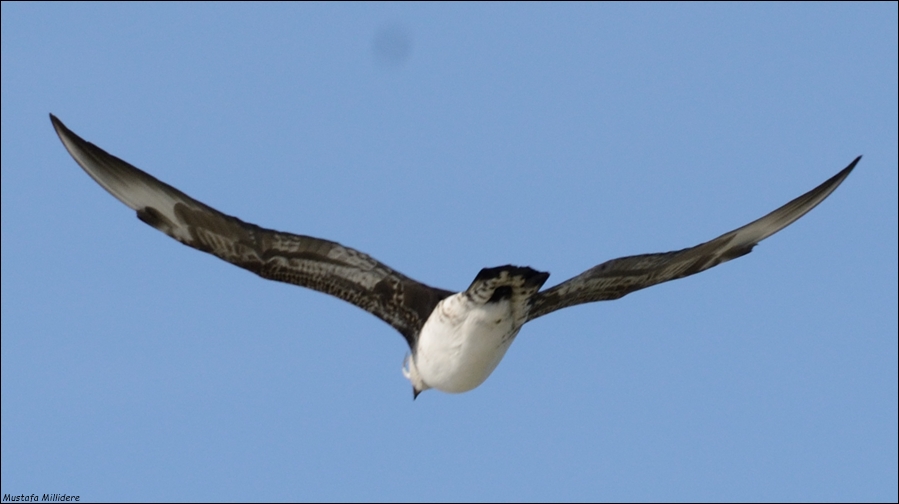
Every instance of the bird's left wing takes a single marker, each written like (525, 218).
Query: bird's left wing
(318, 264)
(618, 277)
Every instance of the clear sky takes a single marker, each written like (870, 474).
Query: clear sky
(442, 139)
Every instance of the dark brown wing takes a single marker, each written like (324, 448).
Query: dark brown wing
(321, 265)
(618, 277)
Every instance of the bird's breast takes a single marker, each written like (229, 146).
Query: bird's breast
(462, 342)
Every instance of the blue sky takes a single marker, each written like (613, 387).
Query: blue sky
(442, 139)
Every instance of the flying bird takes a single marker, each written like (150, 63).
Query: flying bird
(456, 339)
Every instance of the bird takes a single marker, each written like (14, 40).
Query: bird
(456, 339)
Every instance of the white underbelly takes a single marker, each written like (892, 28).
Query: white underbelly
(461, 344)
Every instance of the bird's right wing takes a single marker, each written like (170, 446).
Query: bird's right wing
(318, 264)
(618, 277)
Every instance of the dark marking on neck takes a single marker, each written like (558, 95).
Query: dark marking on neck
(500, 293)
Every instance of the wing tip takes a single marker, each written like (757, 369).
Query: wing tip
(832, 183)
(851, 166)
(58, 125)
(68, 137)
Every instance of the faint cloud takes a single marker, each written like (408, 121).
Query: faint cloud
(392, 45)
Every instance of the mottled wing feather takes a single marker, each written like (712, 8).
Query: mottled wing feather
(318, 264)
(618, 277)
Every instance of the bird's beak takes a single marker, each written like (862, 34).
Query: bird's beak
(415, 393)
